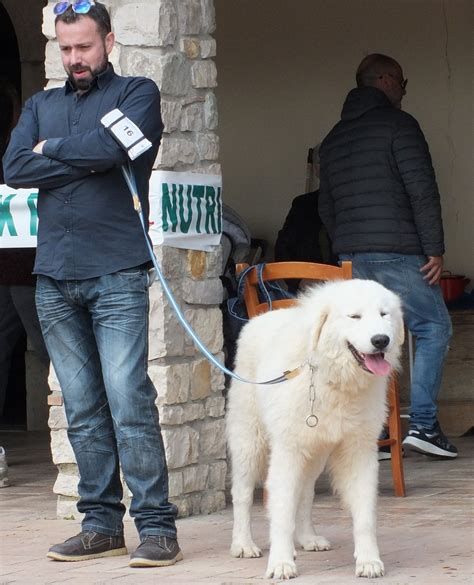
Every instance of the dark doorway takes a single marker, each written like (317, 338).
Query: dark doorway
(14, 408)
(10, 67)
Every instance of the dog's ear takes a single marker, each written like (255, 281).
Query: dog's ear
(400, 328)
(317, 328)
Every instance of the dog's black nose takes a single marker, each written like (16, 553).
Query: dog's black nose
(380, 341)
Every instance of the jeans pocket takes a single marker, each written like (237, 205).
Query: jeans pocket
(131, 272)
(392, 271)
(133, 278)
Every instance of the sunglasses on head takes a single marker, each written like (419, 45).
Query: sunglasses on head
(79, 7)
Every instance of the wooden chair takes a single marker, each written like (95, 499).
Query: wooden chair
(323, 272)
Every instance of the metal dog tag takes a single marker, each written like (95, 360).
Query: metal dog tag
(312, 420)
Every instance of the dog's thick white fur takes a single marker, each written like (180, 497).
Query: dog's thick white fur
(340, 327)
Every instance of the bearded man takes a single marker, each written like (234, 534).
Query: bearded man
(92, 285)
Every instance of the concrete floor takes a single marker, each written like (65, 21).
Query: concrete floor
(425, 538)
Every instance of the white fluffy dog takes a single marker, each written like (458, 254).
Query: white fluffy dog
(346, 336)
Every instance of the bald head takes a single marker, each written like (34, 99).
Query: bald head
(384, 73)
(372, 66)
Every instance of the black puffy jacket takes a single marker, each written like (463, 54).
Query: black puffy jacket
(378, 190)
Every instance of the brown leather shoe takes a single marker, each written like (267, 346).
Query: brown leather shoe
(88, 545)
(156, 551)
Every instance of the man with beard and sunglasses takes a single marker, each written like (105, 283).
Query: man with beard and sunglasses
(92, 286)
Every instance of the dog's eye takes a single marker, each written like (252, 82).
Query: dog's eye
(383, 313)
(355, 316)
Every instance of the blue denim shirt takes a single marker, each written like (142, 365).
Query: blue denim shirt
(87, 223)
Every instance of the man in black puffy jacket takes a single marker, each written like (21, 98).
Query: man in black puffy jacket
(380, 203)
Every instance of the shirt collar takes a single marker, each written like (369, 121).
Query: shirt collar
(102, 80)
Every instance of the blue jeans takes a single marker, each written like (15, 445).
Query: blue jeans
(426, 317)
(96, 332)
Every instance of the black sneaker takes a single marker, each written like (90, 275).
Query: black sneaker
(88, 545)
(384, 454)
(431, 442)
(156, 551)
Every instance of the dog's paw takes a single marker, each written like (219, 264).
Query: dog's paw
(281, 570)
(369, 568)
(248, 551)
(315, 543)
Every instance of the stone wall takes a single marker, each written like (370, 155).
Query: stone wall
(169, 41)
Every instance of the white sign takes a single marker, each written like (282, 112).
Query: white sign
(18, 217)
(185, 212)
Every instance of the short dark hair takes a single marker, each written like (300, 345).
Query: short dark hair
(98, 12)
(373, 66)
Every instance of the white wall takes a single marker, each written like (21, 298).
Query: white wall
(284, 69)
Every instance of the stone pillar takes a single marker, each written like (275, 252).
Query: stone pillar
(169, 41)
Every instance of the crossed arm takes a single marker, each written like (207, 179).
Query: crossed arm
(54, 162)
(23, 167)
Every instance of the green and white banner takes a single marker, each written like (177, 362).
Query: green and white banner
(185, 209)
(185, 212)
(18, 217)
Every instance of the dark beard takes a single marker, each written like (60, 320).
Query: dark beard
(84, 85)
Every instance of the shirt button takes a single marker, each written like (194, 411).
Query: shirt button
(74, 122)
(67, 231)
(66, 201)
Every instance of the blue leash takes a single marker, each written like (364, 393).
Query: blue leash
(287, 374)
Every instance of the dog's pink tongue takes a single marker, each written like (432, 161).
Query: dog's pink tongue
(377, 364)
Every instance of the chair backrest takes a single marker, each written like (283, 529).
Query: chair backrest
(287, 270)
